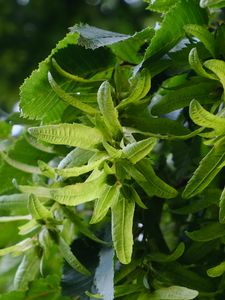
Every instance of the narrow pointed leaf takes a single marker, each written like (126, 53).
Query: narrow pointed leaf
(138, 150)
(208, 168)
(76, 135)
(203, 35)
(104, 202)
(174, 293)
(77, 157)
(222, 207)
(122, 224)
(207, 233)
(217, 271)
(38, 210)
(14, 201)
(17, 248)
(218, 67)
(165, 258)
(70, 257)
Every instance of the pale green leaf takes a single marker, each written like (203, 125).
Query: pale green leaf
(14, 218)
(138, 150)
(77, 135)
(18, 248)
(174, 293)
(109, 112)
(13, 201)
(122, 224)
(77, 157)
(208, 232)
(104, 202)
(161, 6)
(203, 35)
(217, 270)
(38, 210)
(208, 168)
(206, 119)
(70, 257)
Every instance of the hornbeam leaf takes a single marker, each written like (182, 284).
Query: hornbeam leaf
(138, 150)
(38, 210)
(207, 233)
(140, 86)
(206, 119)
(72, 100)
(104, 202)
(222, 207)
(196, 65)
(79, 192)
(109, 112)
(208, 168)
(76, 171)
(203, 35)
(122, 224)
(158, 186)
(173, 293)
(217, 270)
(70, 258)
(19, 165)
(77, 135)
(18, 248)
(218, 67)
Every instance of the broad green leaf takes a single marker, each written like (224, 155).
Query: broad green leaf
(217, 66)
(27, 270)
(161, 6)
(71, 100)
(173, 293)
(81, 225)
(70, 258)
(212, 3)
(104, 274)
(109, 112)
(203, 35)
(138, 150)
(38, 210)
(208, 168)
(167, 100)
(18, 248)
(158, 186)
(122, 224)
(206, 119)
(169, 32)
(196, 64)
(19, 165)
(92, 37)
(165, 258)
(217, 270)
(207, 233)
(77, 135)
(222, 207)
(140, 86)
(104, 202)
(79, 192)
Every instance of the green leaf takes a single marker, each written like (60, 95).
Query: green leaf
(206, 119)
(122, 224)
(217, 66)
(196, 64)
(131, 193)
(161, 6)
(222, 207)
(170, 33)
(70, 258)
(77, 157)
(5, 129)
(208, 168)
(165, 258)
(109, 112)
(212, 3)
(203, 35)
(77, 135)
(207, 233)
(157, 185)
(46, 170)
(104, 274)
(140, 86)
(71, 100)
(27, 270)
(104, 202)
(18, 248)
(79, 192)
(13, 202)
(138, 150)
(173, 293)
(92, 37)
(38, 210)
(217, 270)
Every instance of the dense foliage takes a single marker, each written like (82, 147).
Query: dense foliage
(115, 184)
